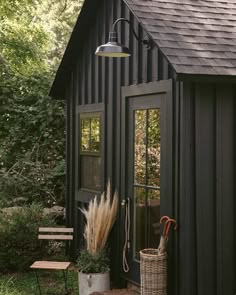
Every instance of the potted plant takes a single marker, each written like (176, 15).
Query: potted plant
(93, 261)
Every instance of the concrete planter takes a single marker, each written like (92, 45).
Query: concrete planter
(93, 282)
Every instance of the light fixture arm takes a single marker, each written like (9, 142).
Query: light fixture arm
(129, 22)
(144, 41)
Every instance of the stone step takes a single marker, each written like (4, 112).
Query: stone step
(116, 292)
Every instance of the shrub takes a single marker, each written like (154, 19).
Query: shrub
(19, 244)
(97, 262)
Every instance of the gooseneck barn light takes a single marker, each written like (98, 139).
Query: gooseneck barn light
(114, 49)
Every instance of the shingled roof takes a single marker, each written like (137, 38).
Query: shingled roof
(197, 37)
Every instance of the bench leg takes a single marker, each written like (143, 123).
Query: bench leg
(65, 274)
(37, 279)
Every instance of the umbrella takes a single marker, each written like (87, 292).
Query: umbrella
(164, 236)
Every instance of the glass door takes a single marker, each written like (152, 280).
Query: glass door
(144, 175)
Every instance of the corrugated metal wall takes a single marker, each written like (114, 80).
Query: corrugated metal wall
(207, 237)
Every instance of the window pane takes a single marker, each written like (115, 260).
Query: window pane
(91, 172)
(139, 217)
(85, 134)
(140, 147)
(154, 147)
(153, 220)
(95, 135)
(90, 134)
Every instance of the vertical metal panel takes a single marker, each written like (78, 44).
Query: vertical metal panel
(110, 85)
(89, 70)
(97, 62)
(126, 62)
(81, 82)
(205, 187)
(177, 95)
(103, 74)
(70, 146)
(187, 199)
(68, 154)
(225, 179)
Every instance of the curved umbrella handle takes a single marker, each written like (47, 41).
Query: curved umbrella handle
(168, 225)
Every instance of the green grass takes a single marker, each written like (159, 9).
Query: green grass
(51, 283)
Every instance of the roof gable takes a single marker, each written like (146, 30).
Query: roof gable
(197, 37)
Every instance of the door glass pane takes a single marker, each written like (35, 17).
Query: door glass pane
(147, 137)
(153, 147)
(153, 218)
(139, 219)
(140, 146)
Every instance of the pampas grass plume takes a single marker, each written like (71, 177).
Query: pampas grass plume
(100, 218)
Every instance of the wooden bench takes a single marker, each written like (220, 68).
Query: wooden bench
(55, 233)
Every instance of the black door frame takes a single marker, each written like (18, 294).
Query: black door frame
(153, 88)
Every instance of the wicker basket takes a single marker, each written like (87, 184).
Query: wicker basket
(153, 271)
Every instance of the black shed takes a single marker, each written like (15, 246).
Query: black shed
(161, 125)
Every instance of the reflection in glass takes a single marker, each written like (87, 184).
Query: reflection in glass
(139, 220)
(85, 134)
(147, 151)
(153, 214)
(90, 173)
(153, 147)
(90, 134)
(140, 147)
(95, 134)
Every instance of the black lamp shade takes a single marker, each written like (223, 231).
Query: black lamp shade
(112, 48)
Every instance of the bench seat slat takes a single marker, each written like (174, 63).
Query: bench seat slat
(50, 265)
(56, 229)
(55, 237)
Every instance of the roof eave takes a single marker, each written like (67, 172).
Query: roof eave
(206, 78)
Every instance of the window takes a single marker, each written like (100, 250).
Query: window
(90, 151)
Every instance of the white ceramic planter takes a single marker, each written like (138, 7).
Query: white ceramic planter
(92, 282)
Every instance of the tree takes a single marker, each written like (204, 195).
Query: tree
(33, 35)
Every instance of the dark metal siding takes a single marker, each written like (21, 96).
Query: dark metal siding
(207, 260)
(201, 257)
(99, 80)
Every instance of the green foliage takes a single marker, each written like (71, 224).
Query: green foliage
(33, 36)
(97, 262)
(32, 141)
(19, 244)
